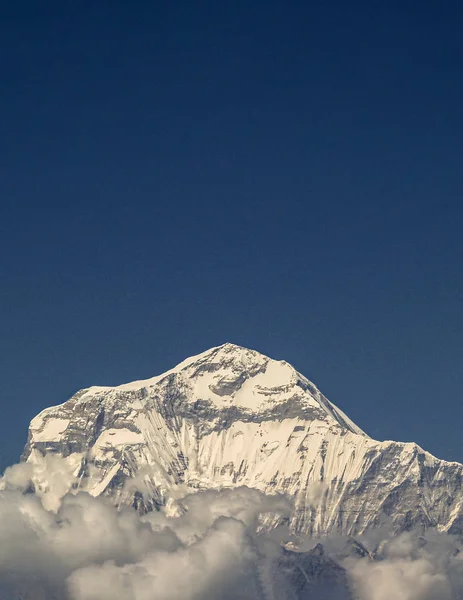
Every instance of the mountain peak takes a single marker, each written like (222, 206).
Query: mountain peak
(221, 386)
(230, 417)
(228, 351)
(230, 375)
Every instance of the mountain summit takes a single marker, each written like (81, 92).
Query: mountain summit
(233, 417)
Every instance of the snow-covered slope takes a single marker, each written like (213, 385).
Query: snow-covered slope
(232, 417)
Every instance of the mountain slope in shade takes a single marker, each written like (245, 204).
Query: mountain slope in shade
(234, 417)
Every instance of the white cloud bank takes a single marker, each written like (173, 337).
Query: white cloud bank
(57, 545)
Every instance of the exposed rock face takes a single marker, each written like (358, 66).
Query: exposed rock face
(313, 574)
(233, 417)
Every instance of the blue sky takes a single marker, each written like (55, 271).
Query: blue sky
(285, 176)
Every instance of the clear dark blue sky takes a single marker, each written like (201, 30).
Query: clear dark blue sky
(283, 175)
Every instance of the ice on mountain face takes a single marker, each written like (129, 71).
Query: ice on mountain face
(231, 417)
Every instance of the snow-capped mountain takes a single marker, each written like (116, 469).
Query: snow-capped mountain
(234, 417)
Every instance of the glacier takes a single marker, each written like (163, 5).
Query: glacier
(232, 417)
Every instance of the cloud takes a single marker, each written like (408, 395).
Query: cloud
(401, 579)
(50, 476)
(71, 545)
(209, 568)
(57, 544)
(409, 568)
(315, 493)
